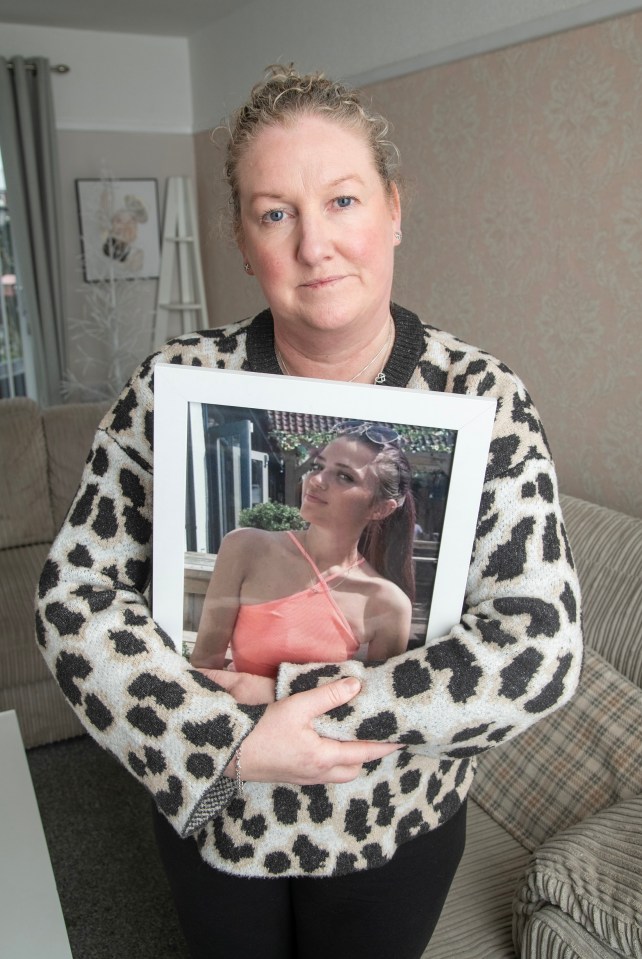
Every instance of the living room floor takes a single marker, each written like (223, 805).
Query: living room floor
(97, 822)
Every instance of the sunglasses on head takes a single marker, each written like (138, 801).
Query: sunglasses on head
(382, 435)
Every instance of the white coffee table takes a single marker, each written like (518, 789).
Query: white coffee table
(31, 920)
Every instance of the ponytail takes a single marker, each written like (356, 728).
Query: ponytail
(387, 543)
(387, 546)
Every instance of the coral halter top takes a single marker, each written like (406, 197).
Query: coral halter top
(307, 627)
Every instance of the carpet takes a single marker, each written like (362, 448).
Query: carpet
(97, 822)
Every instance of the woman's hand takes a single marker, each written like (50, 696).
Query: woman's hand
(244, 687)
(284, 748)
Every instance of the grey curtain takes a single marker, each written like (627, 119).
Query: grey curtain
(30, 158)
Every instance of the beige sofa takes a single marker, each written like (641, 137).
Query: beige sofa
(42, 454)
(553, 863)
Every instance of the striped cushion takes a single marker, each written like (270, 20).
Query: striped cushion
(584, 757)
(21, 660)
(592, 872)
(25, 510)
(476, 922)
(44, 714)
(69, 431)
(607, 547)
(551, 934)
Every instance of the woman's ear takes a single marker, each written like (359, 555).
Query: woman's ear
(384, 509)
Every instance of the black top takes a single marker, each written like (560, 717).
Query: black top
(406, 352)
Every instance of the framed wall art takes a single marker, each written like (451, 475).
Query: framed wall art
(119, 229)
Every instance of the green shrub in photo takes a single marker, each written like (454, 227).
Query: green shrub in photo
(271, 516)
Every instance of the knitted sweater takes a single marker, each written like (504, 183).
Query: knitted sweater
(513, 658)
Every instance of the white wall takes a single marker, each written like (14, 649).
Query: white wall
(120, 82)
(365, 40)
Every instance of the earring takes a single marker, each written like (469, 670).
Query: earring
(247, 267)
(398, 235)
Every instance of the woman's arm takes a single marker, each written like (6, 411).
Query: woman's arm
(172, 727)
(392, 616)
(284, 746)
(515, 655)
(221, 604)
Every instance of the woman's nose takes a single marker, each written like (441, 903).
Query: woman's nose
(318, 478)
(315, 242)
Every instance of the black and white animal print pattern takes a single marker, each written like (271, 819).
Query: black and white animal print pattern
(514, 657)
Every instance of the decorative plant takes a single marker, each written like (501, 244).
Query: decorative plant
(271, 516)
(108, 335)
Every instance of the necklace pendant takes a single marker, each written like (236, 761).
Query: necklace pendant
(380, 378)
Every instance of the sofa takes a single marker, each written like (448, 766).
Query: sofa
(553, 862)
(42, 453)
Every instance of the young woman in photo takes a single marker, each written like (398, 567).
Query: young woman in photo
(312, 595)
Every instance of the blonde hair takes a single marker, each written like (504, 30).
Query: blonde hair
(285, 94)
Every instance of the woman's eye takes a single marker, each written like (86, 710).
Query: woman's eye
(315, 468)
(346, 477)
(273, 216)
(343, 202)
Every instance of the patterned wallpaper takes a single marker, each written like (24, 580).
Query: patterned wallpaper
(522, 232)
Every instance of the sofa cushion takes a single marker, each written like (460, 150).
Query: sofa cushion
(20, 658)
(592, 872)
(44, 713)
(476, 921)
(583, 757)
(25, 511)
(553, 934)
(69, 432)
(607, 547)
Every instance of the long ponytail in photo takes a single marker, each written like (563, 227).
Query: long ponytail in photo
(387, 543)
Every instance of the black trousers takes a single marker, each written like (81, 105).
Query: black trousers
(384, 913)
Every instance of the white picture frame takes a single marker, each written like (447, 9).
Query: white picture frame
(187, 395)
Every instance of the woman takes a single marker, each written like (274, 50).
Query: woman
(262, 598)
(356, 775)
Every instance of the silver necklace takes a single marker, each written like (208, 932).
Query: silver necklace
(379, 378)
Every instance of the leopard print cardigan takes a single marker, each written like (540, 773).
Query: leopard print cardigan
(514, 657)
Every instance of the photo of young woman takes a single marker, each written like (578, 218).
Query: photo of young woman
(349, 572)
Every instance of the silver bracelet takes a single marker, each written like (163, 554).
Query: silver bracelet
(237, 766)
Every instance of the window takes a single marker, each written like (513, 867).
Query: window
(16, 370)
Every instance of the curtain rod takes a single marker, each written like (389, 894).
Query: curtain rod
(56, 68)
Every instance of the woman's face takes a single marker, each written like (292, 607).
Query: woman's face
(317, 225)
(341, 487)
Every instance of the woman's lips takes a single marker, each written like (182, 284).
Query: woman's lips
(321, 282)
(314, 498)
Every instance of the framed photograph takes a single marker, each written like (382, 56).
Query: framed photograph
(232, 449)
(119, 229)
